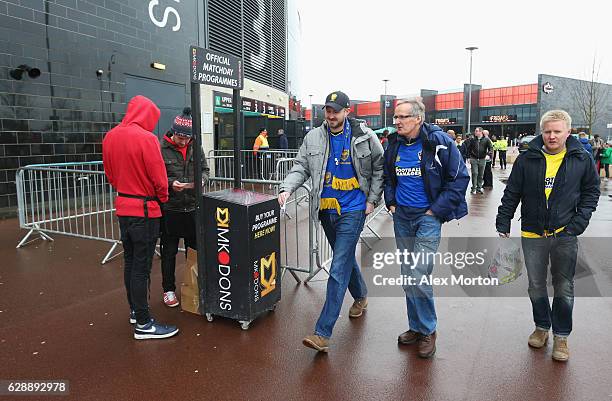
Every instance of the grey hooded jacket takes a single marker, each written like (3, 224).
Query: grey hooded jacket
(311, 162)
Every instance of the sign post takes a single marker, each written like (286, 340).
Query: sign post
(213, 68)
(239, 262)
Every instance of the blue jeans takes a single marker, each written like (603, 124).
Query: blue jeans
(342, 232)
(418, 234)
(562, 252)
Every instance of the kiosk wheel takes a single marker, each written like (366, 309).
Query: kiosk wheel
(209, 317)
(244, 325)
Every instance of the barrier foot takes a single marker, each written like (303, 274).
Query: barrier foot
(295, 276)
(24, 241)
(313, 274)
(108, 257)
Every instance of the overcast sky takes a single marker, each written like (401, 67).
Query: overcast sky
(354, 45)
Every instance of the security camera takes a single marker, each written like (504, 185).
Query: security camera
(99, 73)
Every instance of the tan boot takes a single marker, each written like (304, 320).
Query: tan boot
(314, 341)
(560, 349)
(358, 307)
(538, 338)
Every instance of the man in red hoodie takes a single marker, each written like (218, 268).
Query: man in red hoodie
(134, 167)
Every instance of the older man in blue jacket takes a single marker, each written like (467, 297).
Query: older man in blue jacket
(425, 184)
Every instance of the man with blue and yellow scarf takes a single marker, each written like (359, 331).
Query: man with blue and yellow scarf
(345, 161)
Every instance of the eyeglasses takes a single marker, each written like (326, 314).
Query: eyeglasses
(402, 117)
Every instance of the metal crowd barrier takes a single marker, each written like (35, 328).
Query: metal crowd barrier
(67, 198)
(260, 165)
(75, 199)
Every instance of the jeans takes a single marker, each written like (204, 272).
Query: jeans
(562, 252)
(176, 225)
(342, 232)
(478, 167)
(138, 236)
(420, 234)
(502, 159)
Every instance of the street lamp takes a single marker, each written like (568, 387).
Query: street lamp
(471, 49)
(311, 112)
(385, 104)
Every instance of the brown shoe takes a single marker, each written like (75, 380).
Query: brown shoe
(314, 341)
(427, 345)
(409, 337)
(358, 307)
(538, 338)
(560, 349)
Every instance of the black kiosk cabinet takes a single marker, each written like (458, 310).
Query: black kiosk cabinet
(242, 253)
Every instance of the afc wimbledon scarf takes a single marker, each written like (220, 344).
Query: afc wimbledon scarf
(340, 175)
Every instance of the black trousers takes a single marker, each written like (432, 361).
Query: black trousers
(502, 159)
(176, 225)
(138, 236)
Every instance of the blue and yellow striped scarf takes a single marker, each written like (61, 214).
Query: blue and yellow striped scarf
(340, 174)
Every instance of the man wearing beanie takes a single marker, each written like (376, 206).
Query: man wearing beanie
(179, 211)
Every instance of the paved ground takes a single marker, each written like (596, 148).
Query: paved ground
(63, 316)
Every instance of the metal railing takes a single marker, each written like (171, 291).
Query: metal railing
(75, 199)
(72, 199)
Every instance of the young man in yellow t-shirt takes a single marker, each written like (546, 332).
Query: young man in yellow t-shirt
(558, 188)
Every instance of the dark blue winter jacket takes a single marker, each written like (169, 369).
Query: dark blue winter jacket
(443, 170)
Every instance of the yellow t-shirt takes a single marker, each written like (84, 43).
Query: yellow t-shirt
(553, 162)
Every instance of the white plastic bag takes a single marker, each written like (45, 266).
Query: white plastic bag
(507, 263)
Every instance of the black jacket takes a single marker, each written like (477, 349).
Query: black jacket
(574, 195)
(478, 149)
(180, 170)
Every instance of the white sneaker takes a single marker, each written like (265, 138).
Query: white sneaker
(170, 299)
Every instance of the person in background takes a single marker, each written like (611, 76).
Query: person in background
(134, 166)
(384, 139)
(584, 140)
(494, 156)
(598, 147)
(606, 160)
(451, 133)
(260, 146)
(558, 189)
(179, 212)
(478, 149)
(502, 147)
(283, 143)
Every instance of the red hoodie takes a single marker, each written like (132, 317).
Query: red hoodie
(133, 162)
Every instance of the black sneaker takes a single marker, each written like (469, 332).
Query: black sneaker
(132, 317)
(154, 330)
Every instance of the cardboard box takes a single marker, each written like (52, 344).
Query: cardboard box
(190, 292)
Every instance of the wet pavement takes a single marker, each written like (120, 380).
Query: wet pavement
(64, 316)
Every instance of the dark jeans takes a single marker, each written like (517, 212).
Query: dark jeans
(494, 157)
(562, 252)
(342, 232)
(138, 236)
(606, 168)
(175, 225)
(502, 159)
